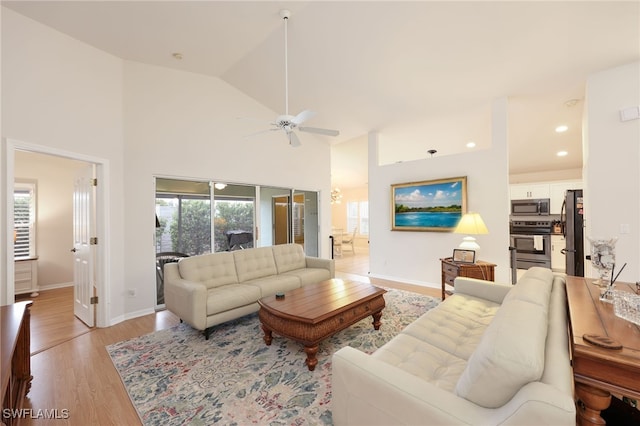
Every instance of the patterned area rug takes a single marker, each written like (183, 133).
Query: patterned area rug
(176, 377)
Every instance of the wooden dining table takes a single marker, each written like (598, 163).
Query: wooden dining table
(605, 349)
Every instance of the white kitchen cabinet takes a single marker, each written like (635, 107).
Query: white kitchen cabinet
(522, 191)
(26, 276)
(557, 192)
(558, 260)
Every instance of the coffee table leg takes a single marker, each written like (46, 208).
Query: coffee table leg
(268, 337)
(311, 352)
(376, 320)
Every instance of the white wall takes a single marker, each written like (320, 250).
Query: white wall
(66, 96)
(54, 177)
(612, 164)
(414, 256)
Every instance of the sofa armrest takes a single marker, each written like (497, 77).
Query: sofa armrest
(367, 391)
(482, 289)
(317, 262)
(186, 299)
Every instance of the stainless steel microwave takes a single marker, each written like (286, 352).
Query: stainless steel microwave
(530, 207)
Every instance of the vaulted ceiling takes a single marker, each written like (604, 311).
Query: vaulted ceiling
(421, 73)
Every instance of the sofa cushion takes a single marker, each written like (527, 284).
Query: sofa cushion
(254, 263)
(534, 286)
(310, 275)
(288, 257)
(509, 355)
(269, 286)
(423, 360)
(232, 296)
(213, 270)
(456, 326)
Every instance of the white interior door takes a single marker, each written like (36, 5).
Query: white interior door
(83, 246)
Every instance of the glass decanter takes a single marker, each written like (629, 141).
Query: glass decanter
(603, 258)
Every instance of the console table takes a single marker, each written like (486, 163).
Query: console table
(599, 371)
(15, 357)
(450, 270)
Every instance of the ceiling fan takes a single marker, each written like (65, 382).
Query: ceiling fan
(289, 123)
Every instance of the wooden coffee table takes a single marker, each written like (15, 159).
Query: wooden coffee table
(314, 312)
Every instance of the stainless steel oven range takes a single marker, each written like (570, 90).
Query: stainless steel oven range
(532, 242)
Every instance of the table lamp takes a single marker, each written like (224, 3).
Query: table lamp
(471, 224)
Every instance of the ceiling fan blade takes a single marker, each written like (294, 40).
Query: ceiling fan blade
(326, 132)
(258, 132)
(302, 117)
(293, 140)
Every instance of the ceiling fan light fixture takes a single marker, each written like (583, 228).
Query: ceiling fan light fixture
(286, 122)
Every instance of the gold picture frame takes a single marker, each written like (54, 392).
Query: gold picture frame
(432, 205)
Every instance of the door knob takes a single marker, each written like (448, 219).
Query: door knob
(73, 250)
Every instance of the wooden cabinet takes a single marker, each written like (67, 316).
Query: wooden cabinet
(558, 260)
(15, 357)
(26, 276)
(450, 270)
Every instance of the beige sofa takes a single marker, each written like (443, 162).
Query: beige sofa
(210, 289)
(490, 354)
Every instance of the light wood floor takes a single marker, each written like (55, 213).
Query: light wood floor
(72, 370)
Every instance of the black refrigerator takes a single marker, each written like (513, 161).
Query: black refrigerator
(573, 230)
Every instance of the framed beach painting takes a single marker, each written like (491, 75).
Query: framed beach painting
(434, 205)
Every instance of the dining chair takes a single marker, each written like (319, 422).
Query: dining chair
(351, 240)
(337, 233)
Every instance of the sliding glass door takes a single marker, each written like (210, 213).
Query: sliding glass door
(198, 217)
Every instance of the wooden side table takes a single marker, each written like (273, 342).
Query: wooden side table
(450, 270)
(599, 369)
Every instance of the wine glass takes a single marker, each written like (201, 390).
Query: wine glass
(603, 257)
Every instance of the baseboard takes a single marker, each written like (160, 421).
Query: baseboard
(54, 286)
(140, 313)
(130, 315)
(404, 280)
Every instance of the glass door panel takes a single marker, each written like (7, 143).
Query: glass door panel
(234, 217)
(183, 224)
(305, 221)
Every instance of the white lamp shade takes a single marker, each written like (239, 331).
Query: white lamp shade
(471, 224)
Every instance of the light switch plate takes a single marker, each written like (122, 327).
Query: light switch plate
(631, 113)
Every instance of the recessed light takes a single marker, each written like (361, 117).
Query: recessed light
(471, 144)
(562, 128)
(562, 153)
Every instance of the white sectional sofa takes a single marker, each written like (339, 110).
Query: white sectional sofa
(210, 289)
(490, 354)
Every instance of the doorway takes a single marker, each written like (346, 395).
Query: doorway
(54, 239)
